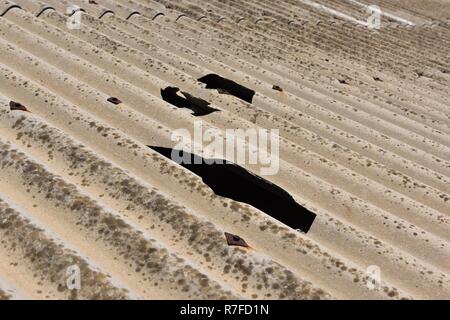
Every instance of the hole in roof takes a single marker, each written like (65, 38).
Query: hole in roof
(17, 106)
(10, 8)
(229, 180)
(133, 14)
(105, 12)
(157, 15)
(199, 106)
(226, 86)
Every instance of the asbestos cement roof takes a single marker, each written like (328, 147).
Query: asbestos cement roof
(364, 123)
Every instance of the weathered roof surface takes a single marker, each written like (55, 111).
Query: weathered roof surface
(365, 144)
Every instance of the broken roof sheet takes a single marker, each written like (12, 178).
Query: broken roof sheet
(364, 144)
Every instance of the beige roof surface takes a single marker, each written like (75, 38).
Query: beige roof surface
(364, 124)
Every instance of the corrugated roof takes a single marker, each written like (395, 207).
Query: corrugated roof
(364, 144)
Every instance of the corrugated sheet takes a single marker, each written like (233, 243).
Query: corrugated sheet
(364, 144)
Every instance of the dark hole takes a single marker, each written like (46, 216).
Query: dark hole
(114, 100)
(277, 88)
(377, 79)
(341, 81)
(229, 180)
(234, 240)
(17, 106)
(214, 81)
(199, 106)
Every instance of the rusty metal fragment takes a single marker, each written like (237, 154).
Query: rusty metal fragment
(277, 88)
(234, 240)
(114, 100)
